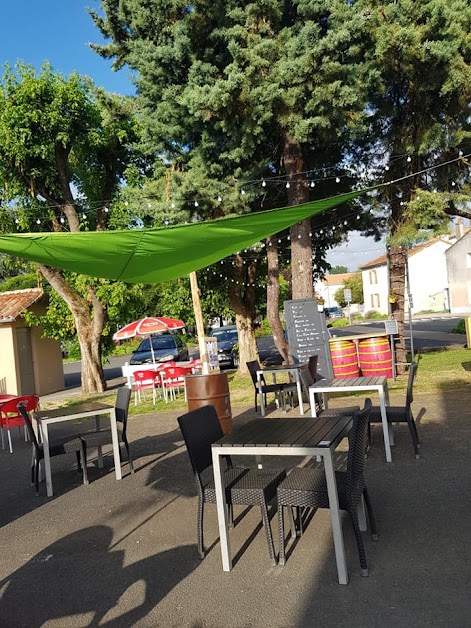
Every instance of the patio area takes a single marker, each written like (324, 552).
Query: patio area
(124, 553)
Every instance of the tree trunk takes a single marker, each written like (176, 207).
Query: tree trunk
(301, 243)
(396, 295)
(242, 300)
(273, 299)
(89, 316)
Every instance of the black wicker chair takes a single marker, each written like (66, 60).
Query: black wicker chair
(103, 437)
(306, 488)
(56, 448)
(400, 414)
(279, 390)
(201, 428)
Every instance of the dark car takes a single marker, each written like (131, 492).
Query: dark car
(333, 312)
(166, 348)
(227, 338)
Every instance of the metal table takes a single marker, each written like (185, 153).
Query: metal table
(70, 413)
(377, 384)
(284, 437)
(274, 370)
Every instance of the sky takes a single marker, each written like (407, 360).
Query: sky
(58, 31)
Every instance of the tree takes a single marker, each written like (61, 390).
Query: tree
(419, 121)
(338, 270)
(232, 93)
(355, 284)
(64, 150)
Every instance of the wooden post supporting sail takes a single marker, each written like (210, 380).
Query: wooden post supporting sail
(195, 294)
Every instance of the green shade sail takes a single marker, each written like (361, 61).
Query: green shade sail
(160, 254)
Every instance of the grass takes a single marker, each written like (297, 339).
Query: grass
(438, 370)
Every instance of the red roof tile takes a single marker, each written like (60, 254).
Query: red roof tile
(14, 302)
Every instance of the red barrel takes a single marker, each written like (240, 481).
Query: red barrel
(375, 357)
(344, 358)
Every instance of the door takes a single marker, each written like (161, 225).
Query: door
(25, 362)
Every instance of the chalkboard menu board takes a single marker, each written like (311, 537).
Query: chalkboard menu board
(308, 335)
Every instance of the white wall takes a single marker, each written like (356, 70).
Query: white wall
(428, 278)
(375, 289)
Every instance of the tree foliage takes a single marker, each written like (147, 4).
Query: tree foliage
(355, 284)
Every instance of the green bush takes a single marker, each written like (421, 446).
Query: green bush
(460, 328)
(339, 322)
(375, 315)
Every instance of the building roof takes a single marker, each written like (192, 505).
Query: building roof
(337, 280)
(16, 301)
(382, 260)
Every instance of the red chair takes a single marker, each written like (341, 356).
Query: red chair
(11, 417)
(173, 377)
(145, 380)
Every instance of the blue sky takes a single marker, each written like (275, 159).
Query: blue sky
(58, 31)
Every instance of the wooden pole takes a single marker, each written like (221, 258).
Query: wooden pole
(195, 295)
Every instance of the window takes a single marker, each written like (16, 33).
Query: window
(373, 277)
(375, 300)
(468, 260)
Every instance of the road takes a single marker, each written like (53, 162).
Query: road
(427, 332)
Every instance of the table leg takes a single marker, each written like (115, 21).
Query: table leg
(47, 460)
(312, 403)
(99, 449)
(335, 516)
(222, 512)
(300, 392)
(115, 440)
(384, 420)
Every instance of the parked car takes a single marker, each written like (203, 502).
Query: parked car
(333, 312)
(166, 347)
(227, 338)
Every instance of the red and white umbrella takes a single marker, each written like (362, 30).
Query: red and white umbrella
(148, 326)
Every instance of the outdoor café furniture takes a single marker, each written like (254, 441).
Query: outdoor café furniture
(306, 488)
(146, 379)
(284, 437)
(87, 410)
(102, 437)
(377, 384)
(307, 381)
(10, 416)
(172, 379)
(400, 414)
(280, 389)
(55, 448)
(242, 486)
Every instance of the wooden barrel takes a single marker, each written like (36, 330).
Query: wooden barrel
(344, 358)
(211, 389)
(375, 357)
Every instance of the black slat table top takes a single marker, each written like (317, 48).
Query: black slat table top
(283, 433)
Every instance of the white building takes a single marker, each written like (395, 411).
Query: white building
(327, 287)
(427, 275)
(458, 258)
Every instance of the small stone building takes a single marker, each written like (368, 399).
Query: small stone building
(29, 364)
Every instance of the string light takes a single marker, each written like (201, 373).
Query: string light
(288, 184)
(196, 204)
(264, 184)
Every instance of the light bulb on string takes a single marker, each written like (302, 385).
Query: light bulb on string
(62, 219)
(288, 184)
(460, 153)
(149, 205)
(196, 204)
(386, 167)
(312, 184)
(409, 158)
(264, 183)
(337, 179)
(126, 203)
(17, 221)
(453, 183)
(84, 217)
(172, 205)
(358, 217)
(106, 209)
(242, 192)
(38, 222)
(219, 199)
